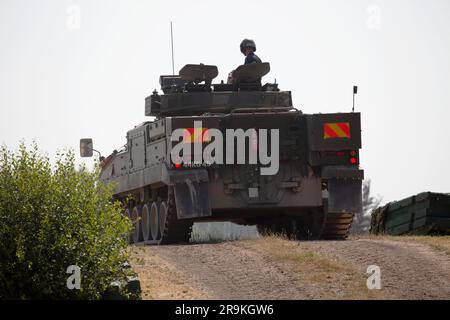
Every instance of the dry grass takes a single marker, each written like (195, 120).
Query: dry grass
(439, 243)
(335, 278)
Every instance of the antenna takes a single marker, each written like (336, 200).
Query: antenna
(355, 91)
(171, 40)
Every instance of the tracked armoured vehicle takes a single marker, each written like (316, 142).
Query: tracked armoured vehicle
(311, 191)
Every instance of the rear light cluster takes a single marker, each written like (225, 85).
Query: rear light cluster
(352, 155)
(189, 165)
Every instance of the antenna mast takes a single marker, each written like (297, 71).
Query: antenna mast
(171, 40)
(355, 91)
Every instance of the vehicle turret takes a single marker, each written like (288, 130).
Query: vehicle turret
(193, 93)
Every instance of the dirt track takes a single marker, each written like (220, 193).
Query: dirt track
(274, 268)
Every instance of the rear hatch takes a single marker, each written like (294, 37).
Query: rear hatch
(291, 127)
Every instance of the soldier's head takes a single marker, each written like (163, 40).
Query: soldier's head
(247, 46)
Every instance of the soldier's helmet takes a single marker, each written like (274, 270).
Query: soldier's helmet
(247, 43)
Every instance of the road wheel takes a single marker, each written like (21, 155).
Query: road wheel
(127, 214)
(162, 217)
(145, 223)
(136, 219)
(154, 221)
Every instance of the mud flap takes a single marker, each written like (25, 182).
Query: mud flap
(191, 192)
(344, 195)
(191, 198)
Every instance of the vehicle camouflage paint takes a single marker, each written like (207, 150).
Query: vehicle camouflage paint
(313, 195)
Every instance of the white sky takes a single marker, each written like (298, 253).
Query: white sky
(59, 83)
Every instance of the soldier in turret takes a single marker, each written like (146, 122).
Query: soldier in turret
(248, 48)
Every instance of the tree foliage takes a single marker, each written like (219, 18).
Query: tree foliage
(54, 216)
(369, 202)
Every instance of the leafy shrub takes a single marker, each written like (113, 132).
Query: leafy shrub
(54, 216)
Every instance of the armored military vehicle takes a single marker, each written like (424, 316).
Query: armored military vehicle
(311, 192)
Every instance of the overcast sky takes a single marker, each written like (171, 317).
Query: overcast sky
(72, 69)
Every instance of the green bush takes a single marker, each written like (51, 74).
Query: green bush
(54, 216)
